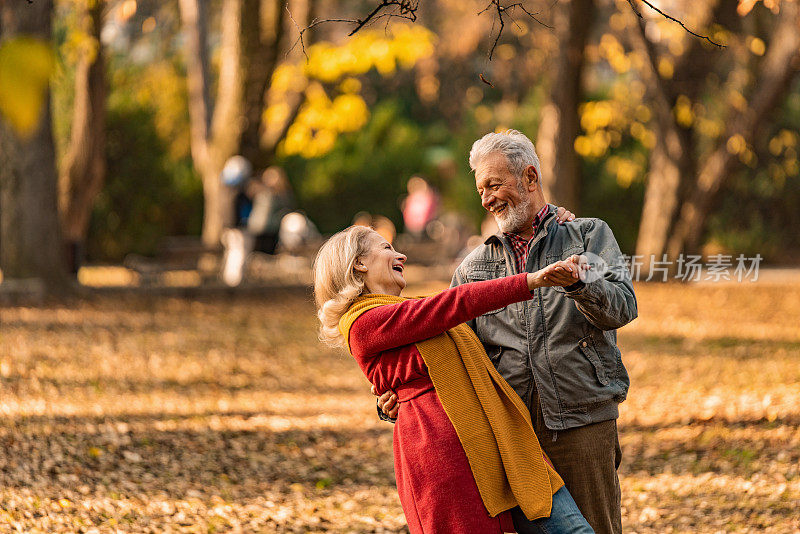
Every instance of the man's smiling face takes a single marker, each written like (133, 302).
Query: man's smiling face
(502, 193)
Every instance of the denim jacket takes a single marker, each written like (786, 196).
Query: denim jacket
(562, 342)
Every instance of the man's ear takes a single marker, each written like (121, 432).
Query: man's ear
(532, 177)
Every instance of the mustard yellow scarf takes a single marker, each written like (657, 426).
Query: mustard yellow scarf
(491, 421)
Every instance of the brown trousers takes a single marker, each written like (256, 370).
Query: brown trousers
(587, 459)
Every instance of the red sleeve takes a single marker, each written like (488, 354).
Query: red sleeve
(396, 325)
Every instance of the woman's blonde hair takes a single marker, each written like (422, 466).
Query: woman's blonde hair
(336, 283)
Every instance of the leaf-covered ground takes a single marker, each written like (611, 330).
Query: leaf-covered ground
(125, 413)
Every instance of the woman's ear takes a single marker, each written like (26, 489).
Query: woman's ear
(360, 267)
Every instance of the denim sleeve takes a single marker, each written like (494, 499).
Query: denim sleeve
(459, 277)
(608, 301)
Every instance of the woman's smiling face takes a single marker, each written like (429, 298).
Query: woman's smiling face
(382, 266)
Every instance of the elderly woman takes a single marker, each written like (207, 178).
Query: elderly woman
(464, 449)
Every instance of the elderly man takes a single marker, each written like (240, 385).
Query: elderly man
(558, 350)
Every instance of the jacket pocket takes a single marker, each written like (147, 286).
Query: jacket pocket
(489, 271)
(566, 252)
(586, 346)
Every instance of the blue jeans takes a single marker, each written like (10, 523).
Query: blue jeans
(565, 518)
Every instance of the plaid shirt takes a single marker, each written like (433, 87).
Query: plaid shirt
(521, 246)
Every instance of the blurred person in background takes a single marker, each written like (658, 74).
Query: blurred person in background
(237, 242)
(272, 200)
(464, 449)
(420, 207)
(297, 233)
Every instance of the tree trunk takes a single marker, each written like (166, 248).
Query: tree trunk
(215, 136)
(194, 14)
(29, 226)
(250, 48)
(261, 38)
(778, 68)
(84, 167)
(671, 164)
(560, 125)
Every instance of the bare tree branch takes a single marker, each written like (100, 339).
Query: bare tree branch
(503, 11)
(673, 19)
(403, 9)
(407, 9)
(301, 31)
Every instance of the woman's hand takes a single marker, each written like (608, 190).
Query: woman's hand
(387, 403)
(564, 215)
(561, 273)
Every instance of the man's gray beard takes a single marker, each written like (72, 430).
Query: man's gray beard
(515, 218)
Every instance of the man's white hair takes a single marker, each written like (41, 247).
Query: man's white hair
(513, 144)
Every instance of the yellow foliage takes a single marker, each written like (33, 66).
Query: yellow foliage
(600, 114)
(666, 68)
(792, 167)
(676, 47)
(25, 68)
(748, 157)
(757, 46)
(161, 85)
(683, 111)
(736, 144)
(594, 145)
(288, 77)
(775, 146)
(737, 100)
(297, 137)
(350, 85)
(483, 114)
(583, 146)
(617, 22)
(710, 128)
(350, 112)
(79, 44)
(277, 114)
(643, 113)
(404, 45)
(505, 52)
(474, 95)
(148, 25)
(606, 121)
(322, 117)
(625, 170)
(637, 89)
(428, 87)
(788, 138)
(614, 53)
(745, 6)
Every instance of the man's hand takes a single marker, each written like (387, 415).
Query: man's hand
(564, 215)
(387, 403)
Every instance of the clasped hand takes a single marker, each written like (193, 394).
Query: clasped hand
(561, 273)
